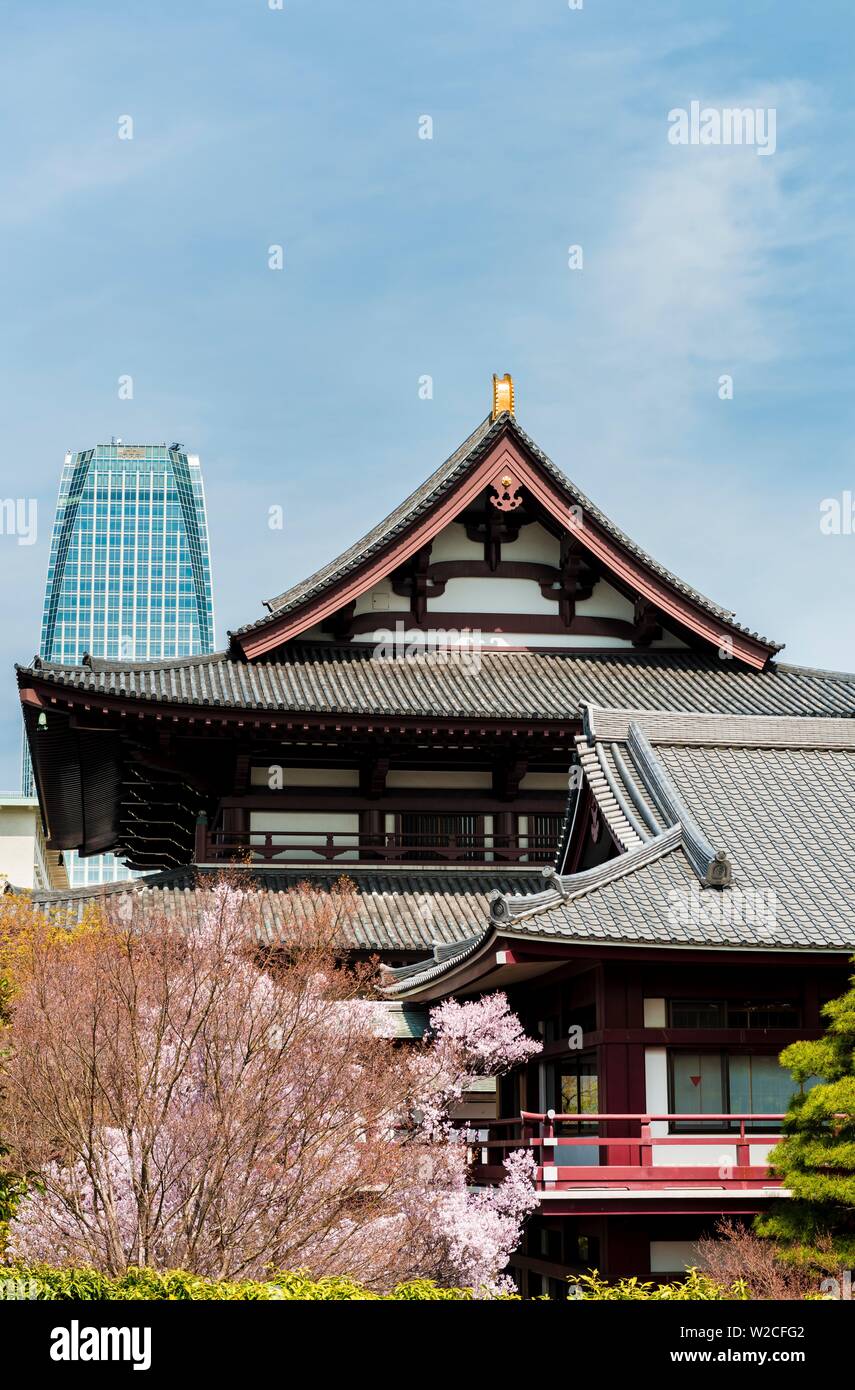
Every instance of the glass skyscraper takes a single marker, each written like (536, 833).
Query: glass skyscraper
(129, 575)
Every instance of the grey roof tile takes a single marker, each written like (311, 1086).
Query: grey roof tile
(779, 795)
(329, 679)
(422, 910)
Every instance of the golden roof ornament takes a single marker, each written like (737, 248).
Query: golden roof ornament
(503, 396)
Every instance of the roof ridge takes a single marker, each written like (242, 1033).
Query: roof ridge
(711, 865)
(505, 909)
(402, 976)
(503, 913)
(815, 670)
(702, 728)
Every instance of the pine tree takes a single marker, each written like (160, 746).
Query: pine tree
(816, 1159)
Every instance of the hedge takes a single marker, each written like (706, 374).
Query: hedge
(18, 1281)
(42, 1282)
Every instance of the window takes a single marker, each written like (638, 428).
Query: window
(689, 1014)
(428, 834)
(738, 1013)
(723, 1083)
(578, 1087)
(573, 1089)
(759, 1084)
(543, 835)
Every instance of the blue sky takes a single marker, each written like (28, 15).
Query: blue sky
(448, 257)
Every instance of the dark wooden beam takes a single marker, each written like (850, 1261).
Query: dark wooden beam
(507, 777)
(646, 627)
(372, 778)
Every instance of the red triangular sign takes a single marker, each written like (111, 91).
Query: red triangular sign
(695, 1080)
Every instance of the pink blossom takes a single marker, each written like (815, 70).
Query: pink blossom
(187, 1105)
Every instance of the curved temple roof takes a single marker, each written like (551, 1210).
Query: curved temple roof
(441, 485)
(325, 679)
(763, 808)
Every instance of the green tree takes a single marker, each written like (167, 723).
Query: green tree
(816, 1158)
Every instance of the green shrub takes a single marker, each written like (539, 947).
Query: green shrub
(815, 1227)
(45, 1283)
(695, 1287)
(18, 1281)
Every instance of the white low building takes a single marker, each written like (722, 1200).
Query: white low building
(25, 860)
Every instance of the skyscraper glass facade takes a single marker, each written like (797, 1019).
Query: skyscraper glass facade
(129, 575)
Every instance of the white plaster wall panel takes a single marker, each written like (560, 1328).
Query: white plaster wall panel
(759, 1154)
(656, 1087)
(319, 822)
(655, 1013)
(452, 543)
(308, 777)
(560, 641)
(544, 782)
(671, 1256)
(536, 545)
(716, 1154)
(382, 599)
(442, 781)
(492, 595)
(510, 641)
(606, 602)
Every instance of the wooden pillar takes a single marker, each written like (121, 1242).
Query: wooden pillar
(371, 827)
(621, 1064)
(504, 829)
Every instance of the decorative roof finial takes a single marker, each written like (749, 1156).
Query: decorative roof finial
(503, 396)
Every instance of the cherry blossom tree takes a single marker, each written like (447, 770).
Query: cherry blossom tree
(189, 1096)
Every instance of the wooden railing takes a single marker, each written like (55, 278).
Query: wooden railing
(627, 1153)
(305, 846)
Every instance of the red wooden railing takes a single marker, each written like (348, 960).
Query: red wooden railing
(627, 1158)
(294, 846)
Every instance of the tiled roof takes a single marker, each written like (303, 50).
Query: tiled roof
(773, 803)
(325, 679)
(427, 910)
(718, 730)
(425, 497)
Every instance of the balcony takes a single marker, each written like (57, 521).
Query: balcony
(390, 847)
(637, 1156)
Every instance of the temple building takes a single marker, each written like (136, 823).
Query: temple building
(548, 765)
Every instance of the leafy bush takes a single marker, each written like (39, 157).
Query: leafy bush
(19, 1281)
(41, 1282)
(695, 1287)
